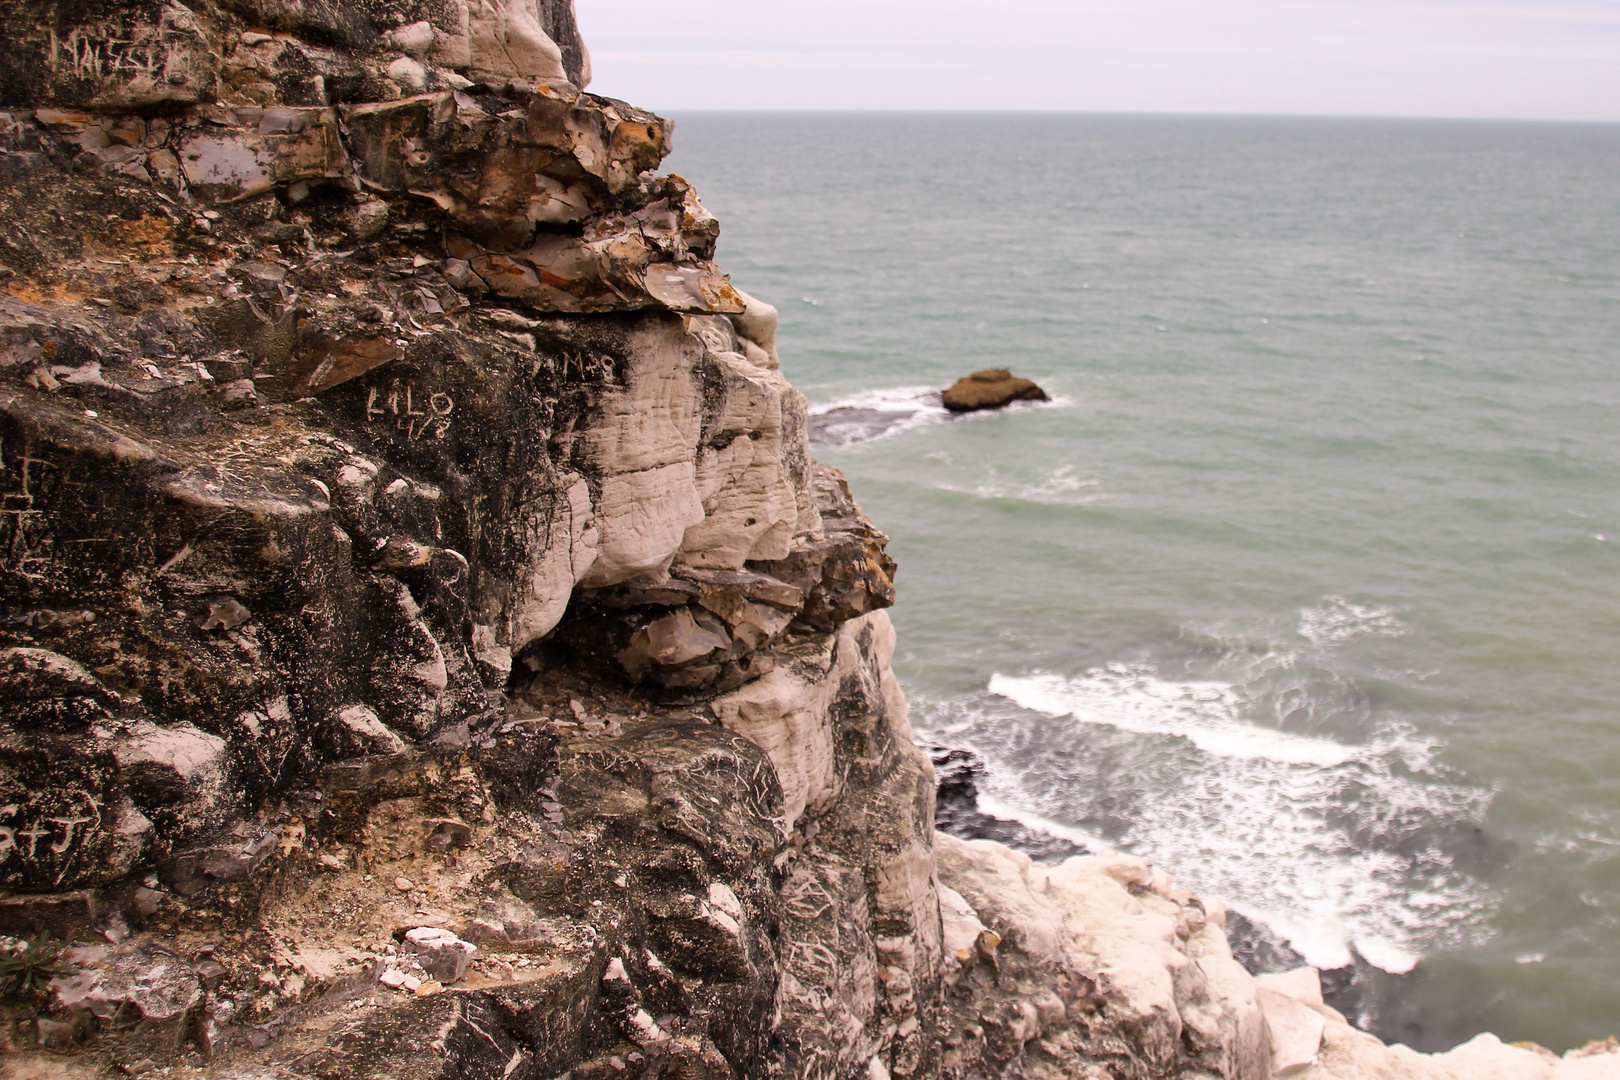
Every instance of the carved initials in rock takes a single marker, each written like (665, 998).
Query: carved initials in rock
(24, 843)
(110, 51)
(413, 412)
(23, 531)
(582, 367)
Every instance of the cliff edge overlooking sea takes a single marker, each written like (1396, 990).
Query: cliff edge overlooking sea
(429, 649)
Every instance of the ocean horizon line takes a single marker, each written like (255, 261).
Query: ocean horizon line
(1136, 114)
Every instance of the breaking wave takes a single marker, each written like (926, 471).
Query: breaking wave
(873, 414)
(1342, 850)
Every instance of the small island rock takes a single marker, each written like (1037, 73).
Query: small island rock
(990, 389)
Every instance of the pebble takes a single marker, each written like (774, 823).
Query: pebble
(404, 884)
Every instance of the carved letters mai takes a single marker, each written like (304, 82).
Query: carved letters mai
(122, 59)
(111, 51)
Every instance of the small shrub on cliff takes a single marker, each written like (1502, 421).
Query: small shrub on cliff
(28, 969)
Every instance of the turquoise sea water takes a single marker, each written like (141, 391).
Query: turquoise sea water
(1307, 584)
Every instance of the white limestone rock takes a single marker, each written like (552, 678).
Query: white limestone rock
(787, 713)
(757, 325)
(1296, 1032)
(1302, 984)
(364, 733)
(960, 923)
(414, 39)
(750, 503)
(1162, 969)
(442, 954)
(409, 74)
(564, 547)
(1349, 1054)
(505, 42)
(1299, 1018)
(642, 442)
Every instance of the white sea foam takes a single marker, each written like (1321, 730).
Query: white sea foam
(888, 399)
(1052, 827)
(1336, 620)
(1131, 698)
(1060, 486)
(876, 413)
(1318, 840)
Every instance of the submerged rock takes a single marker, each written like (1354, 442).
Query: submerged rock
(958, 775)
(990, 389)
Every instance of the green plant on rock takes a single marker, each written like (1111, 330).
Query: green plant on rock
(29, 969)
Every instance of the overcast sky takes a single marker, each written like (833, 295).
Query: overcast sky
(1537, 59)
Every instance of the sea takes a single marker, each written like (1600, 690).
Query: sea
(1305, 583)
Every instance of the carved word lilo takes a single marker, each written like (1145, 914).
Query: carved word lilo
(417, 413)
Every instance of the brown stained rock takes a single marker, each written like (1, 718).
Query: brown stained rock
(238, 154)
(115, 56)
(845, 574)
(60, 914)
(990, 389)
(364, 397)
(442, 954)
(154, 55)
(704, 629)
(50, 690)
(65, 812)
(452, 1036)
(671, 641)
(232, 858)
(322, 364)
(512, 613)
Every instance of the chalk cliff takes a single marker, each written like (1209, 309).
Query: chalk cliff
(427, 647)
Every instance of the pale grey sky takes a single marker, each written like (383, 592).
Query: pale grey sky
(1534, 59)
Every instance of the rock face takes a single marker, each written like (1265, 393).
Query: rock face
(1099, 966)
(990, 389)
(400, 507)
(428, 649)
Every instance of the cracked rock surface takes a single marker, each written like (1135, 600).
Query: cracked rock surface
(427, 648)
(399, 509)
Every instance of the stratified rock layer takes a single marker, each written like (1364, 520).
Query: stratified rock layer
(427, 648)
(397, 502)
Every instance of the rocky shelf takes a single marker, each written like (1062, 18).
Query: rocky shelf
(429, 649)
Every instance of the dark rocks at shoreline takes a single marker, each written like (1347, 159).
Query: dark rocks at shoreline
(993, 388)
(1375, 1000)
(844, 426)
(956, 810)
(1257, 948)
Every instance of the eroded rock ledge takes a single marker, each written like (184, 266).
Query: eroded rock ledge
(428, 649)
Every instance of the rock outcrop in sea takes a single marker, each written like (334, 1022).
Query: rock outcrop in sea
(993, 388)
(428, 649)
